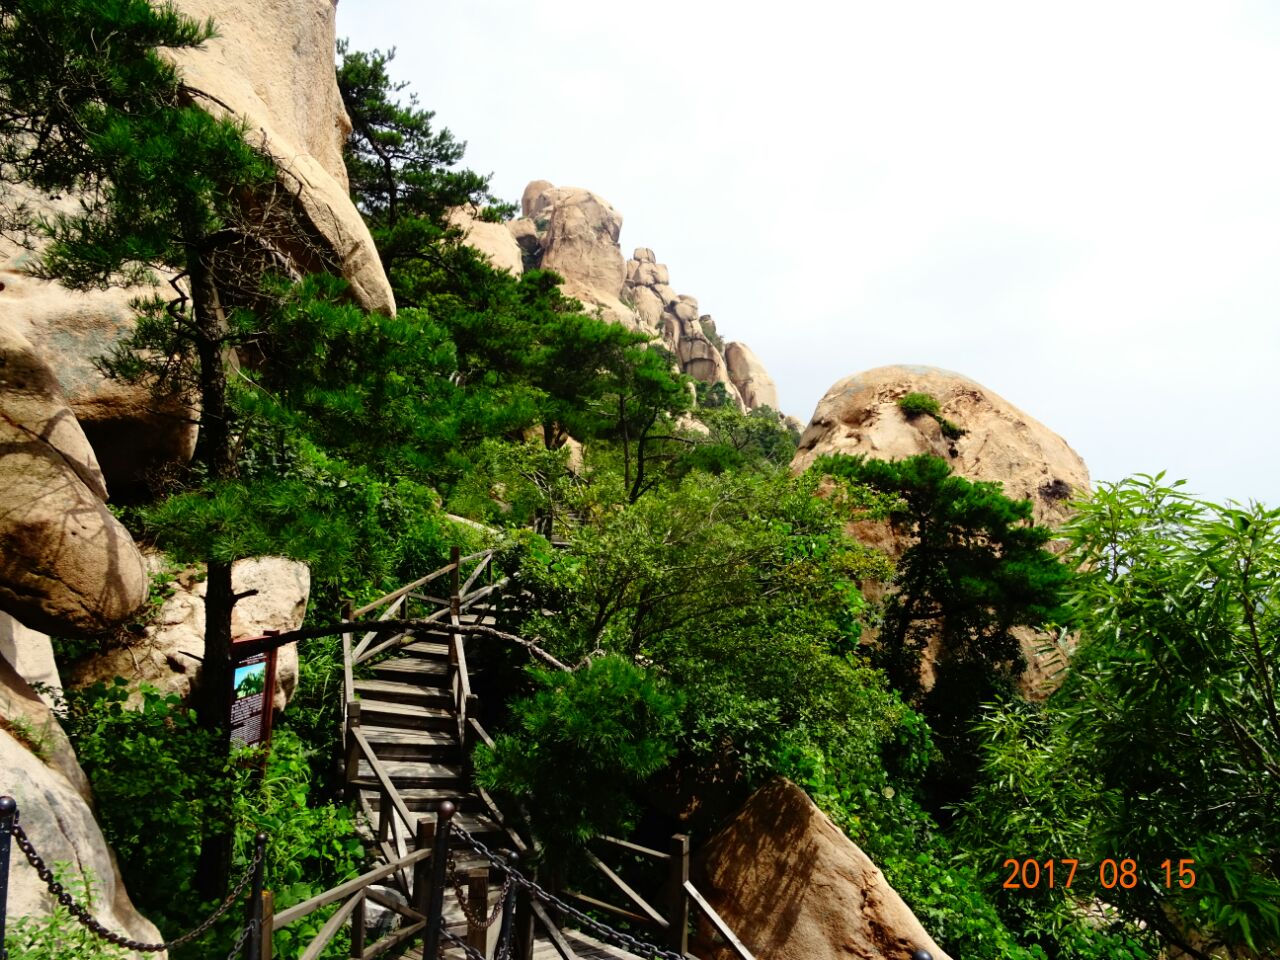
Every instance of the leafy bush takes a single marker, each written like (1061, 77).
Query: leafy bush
(915, 404)
(59, 935)
(609, 722)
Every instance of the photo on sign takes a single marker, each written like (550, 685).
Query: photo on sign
(250, 680)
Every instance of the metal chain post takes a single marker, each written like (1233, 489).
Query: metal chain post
(439, 858)
(253, 921)
(8, 814)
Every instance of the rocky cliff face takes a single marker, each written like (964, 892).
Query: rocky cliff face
(575, 232)
(68, 435)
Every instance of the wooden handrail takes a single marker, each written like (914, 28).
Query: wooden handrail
(331, 927)
(385, 615)
(655, 918)
(285, 917)
(722, 928)
(475, 573)
(405, 589)
(634, 847)
(383, 780)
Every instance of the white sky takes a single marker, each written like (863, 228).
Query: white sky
(1076, 204)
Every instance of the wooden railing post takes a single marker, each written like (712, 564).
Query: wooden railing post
(426, 837)
(268, 920)
(353, 746)
(357, 930)
(678, 915)
(455, 580)
(254, 945)
(431, 904)
(478, 905)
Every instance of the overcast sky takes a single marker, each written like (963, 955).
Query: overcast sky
(1076, 204)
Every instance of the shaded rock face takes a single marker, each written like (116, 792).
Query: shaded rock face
(66, 564)
(132, 432)
(169, 654)
(748, 374)
(575, 232)
(860, 415)
(41, 773)
(792, 886)
(272, 65)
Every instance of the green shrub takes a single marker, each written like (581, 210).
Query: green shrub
(915, 404)
(58, 935)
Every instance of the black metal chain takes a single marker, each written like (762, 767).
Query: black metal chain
(624, 940)
(86, 919)
(464, 901)
(468, 951)
(242, 940)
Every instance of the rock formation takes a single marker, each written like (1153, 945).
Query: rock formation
(860, 414)
(42, 774)
(272, 66)
(792, 886)
(575, 233)
(66, 564)
(169, 654)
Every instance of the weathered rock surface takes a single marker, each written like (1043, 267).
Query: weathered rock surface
(575, 232)
(30, 653)
(792, 886)
(168, 656)
(41, 773)
(494, 240)
(66, 564)
(748, 374)
(860, 414)
(133, 433)
(272, 65)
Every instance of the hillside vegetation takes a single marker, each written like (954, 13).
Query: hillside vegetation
(724, 625)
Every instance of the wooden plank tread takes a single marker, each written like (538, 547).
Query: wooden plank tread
(407, 710)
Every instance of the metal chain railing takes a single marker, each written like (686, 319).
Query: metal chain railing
(468, 951)
(464, 901)
(87, 920)
(624, 940)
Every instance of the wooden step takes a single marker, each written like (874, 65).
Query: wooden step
(421, 670)
(396, 691)
(411, 773)
(412, 716)
(430, 798)
(426, 649)
(403, 743)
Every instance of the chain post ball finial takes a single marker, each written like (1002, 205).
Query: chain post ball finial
(921, 955)
(7, 806)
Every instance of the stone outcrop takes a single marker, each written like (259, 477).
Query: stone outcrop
(42, 774)
(748, 374)
(169, 654)
(792, 886)
(66, 564)
(133, 432)
(860, 415)
(494, 240)
(272, 66)
(575, 232)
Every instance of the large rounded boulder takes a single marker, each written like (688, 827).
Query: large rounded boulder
(67, 566)
(861, 415)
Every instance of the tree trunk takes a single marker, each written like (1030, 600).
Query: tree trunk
(213, 451)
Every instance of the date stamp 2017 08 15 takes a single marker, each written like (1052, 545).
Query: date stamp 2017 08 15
(1031, 874)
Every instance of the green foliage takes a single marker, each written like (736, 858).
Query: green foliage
(1163, 743)
(610, 722)
(59, 935)
(915, 404)
(974, 568)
